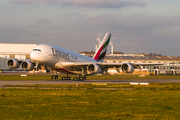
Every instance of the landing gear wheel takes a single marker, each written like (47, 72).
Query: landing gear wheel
(54, 77)
(81, 78)
(75, 79)
(66, 78)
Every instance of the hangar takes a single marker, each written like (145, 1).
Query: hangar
(21, 51)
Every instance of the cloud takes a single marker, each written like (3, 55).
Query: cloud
(135, 32)
(33, 1)
(139, 33)
(133, 21)
(42, 21)
(21, 1)
(103, 3)
(84, 3)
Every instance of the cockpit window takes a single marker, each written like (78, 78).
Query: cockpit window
(37, 50)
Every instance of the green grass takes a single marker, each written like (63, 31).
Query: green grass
(172, 86)
(93, 77)
(153, 102)
(28, 77)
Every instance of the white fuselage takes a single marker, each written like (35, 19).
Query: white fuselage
(50, 55)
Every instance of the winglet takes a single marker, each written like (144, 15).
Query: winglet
(101, 52)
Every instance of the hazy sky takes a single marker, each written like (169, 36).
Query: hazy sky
(137, 26)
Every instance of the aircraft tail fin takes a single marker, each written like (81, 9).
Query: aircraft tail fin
(101, 52)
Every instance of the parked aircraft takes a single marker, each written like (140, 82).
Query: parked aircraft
(68, 62)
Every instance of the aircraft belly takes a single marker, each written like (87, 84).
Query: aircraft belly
(73, 69)
(48, 63)
(63, 70)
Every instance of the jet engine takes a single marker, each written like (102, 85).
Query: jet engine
(28, 66)
(94, 68)
(127, 68)
(13, 64)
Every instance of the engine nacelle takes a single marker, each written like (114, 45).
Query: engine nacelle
(127, 68)
(13, 64)
(94, 68)
(28, 66)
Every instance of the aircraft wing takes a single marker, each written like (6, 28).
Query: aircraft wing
(86, 64)
(95, 67)
(14, 63)
(20, 60)
(104, 64)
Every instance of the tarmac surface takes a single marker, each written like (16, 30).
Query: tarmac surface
(34, 82)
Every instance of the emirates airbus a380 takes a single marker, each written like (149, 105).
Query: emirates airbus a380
(68, 62)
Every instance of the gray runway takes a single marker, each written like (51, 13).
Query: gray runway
(33, 82)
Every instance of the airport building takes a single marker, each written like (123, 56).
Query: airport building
(171, 65)
(19, 51)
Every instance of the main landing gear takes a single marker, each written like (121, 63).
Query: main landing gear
(66, 78)
(78, 78)
(81, 77)
(54, 77)
(63, 78)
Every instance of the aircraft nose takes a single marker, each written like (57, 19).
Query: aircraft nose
(35, 56)
(32, 56)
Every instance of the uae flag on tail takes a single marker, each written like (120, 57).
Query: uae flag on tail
(101, 52)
